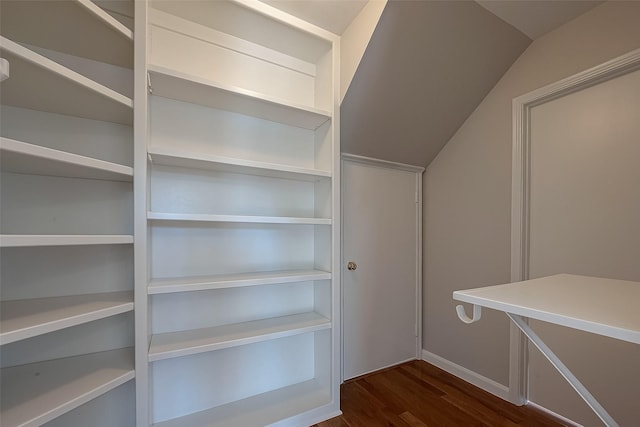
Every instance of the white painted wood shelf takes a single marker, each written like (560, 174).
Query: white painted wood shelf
(86, 26)
(21, 157)
(185, 343)
(22, 319)
(187, 88)
(601, 306)
(36, 393)
(23, 240)
(260, 410)
(223, 281)
(38, 83)
(163, 216)
(179, 158)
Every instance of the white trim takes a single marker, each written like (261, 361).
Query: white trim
(520, 197)
(467, 375)
(551, 414)
(382, 163)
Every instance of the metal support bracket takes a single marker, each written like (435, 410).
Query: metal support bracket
(563, 370)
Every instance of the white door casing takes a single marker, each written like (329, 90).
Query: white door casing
(572, 196)
(381, 213)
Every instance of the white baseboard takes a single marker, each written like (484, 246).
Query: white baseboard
(487, 384)
(468, 375)
(552, 414)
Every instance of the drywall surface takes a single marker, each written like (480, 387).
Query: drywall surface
(355, 39)
(426, 68)
(468, 188)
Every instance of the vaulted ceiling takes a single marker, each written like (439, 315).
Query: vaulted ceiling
(426, 68)
(428, 65)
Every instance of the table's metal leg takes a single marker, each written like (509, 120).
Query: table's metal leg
(564, 371)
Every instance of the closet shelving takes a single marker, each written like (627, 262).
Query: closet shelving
(177, 344)
(40, 392)
(193, 89)
(242, 216)
(222, 281)
(24, 158)
(22, 319)
(66, 330)
(39, 83)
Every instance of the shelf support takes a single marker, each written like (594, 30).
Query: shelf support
(477, 313)
(4, 69)
(563, 370)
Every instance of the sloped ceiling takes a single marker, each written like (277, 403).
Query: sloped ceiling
(426, 68)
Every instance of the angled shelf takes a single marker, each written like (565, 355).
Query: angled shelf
(178, 344)
(86, 26)
(23, 240)
(222, 281)
(38, 83)
(22, 319)
(25, 158)
(179, 158)
(37, 393)
(162, 216)
(260, 410)
(187, 88)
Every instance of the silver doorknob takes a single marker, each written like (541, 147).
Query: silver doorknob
(351, 265)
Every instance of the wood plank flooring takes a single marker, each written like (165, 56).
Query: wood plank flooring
(417, 394)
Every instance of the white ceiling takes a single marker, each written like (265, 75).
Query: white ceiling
(537, 17)
(532, 17)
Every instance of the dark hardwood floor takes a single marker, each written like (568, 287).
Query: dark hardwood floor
(417, 394)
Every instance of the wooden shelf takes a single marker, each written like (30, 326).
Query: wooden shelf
(22, 319)
(89, 32)
(178, 344)
(260, 410)
(171, 157)
(188, 284)
(187, 88)
(160, 216)
(22, 240)
(39, 83)
(36, 393)
(25, 158)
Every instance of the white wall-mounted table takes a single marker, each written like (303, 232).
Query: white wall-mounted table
(606, 307)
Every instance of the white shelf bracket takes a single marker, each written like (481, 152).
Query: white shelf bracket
(149, 83)
(477, 313)
(4, 69)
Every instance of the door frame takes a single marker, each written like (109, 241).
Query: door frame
(520, 191)
(352, 158)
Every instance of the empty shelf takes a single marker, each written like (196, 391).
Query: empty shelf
(184, 284)
(21, 157)
(187, 88)
(184, 343)
(36, 393)
(90, 32)
(170, 157)
(39, 83)
(161, 216)
(259, 410)
(23, 319)
(20, 240)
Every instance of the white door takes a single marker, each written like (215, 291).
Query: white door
(381, 237)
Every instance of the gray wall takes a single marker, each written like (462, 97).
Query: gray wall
(426, 68)
(468, 188)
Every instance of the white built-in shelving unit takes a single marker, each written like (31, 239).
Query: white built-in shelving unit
(243, 217)
(66, 238)
(177, 266)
